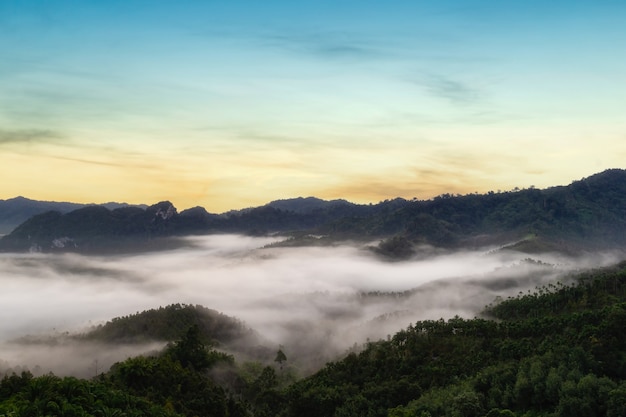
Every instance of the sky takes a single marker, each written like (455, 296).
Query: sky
(232, 104)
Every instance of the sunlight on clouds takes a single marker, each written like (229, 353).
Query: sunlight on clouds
(231, 168)
(211, 106)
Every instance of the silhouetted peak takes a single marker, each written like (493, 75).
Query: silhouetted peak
(197, 211)
(608, 176)
(163, 209)
(305, 204)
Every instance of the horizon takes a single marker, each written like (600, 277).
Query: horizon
(229, 105)
(179, 209)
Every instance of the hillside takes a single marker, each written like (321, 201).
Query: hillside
(589, 214)
(557, 352)
(170, 323)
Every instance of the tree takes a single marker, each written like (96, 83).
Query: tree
(280, 357)
(190, 351)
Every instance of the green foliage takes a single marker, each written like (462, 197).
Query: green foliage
(178, 378)
(49, 395)
(169, 323)
(588, 214)
(190, 351)
(557, 352)
(396, 247)
(280, 357)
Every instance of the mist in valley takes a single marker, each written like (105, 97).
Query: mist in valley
(315, 302)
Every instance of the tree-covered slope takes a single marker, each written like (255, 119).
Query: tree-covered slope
(587, 214)
(170, 323)
(560, 351)
(173, 383)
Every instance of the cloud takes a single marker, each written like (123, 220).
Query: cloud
(325, 45)
(91, 161)
(315, 301)
(88, 359)
(454, 172)
(452, 90)
(29, 136)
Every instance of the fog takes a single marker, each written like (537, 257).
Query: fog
(317, 302)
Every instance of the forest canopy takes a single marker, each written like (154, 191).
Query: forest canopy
(557, 351)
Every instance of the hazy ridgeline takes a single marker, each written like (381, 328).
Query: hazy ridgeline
(315, 301)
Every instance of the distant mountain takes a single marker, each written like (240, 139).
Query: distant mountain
(15, 211)
(92, 229)
(307, 205)
(587, 214)
(98, 229)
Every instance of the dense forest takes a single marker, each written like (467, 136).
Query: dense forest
(169, 323)
(557, 351)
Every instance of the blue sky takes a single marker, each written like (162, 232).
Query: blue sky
(233, 104)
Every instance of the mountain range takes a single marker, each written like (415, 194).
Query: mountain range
(15, 211)
(587, 214)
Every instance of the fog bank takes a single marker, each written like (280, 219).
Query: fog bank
(315, 301)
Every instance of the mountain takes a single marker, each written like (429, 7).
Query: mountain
(588, 214)
(307, 205)
(97, 229)
(92, 228)
(15, 211)
(19, 209)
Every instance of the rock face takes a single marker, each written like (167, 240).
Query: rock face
(163, 210)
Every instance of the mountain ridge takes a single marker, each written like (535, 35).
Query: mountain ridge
(587, 214)
(16, 210)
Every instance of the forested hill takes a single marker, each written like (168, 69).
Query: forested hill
(170, 323)
(557, 352)
(587, 214)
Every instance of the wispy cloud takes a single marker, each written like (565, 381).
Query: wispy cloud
(452, 90)
(326, 45)
(91, 161)
(30, 136)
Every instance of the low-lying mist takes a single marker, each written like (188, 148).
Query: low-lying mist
(316, 302)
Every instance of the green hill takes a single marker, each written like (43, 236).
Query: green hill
(589, 214)
(171, 322)
(558, 351)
